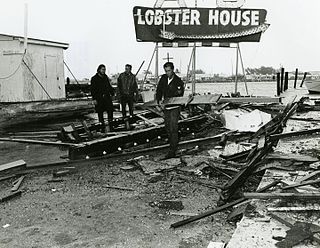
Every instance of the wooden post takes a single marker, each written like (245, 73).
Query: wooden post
(278, 84)
(286, 81)
(282, 79)
(296, 78)
(304, 78)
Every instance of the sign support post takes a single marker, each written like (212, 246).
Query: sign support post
(237, 70)
(243, 71)
(156, 71)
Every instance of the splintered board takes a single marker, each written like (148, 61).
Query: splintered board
(258, 232)
(11, 165)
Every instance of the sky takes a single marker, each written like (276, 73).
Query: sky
(102, 31)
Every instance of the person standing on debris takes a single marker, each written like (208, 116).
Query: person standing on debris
(127, 90)
(102, 92)
(170, 85)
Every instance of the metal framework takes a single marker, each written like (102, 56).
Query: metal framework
(194, 45)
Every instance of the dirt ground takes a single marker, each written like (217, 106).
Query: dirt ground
(80, 211)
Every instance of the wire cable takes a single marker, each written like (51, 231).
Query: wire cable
(36, 79)
(16, 70)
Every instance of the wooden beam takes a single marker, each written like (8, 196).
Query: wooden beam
(39, 142)
(294, 157)
(293, 209)
(300, 184)
(250, 100)
(111, 144)
(295, 134)
(187, 143)
(309, 176)
(11, 165)
(7, 177)
(10, 196)
(147, 120)
(285, 196)
(219, 209)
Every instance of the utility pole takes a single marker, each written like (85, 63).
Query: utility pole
(194, 62)
(25, 26)
(168, 58)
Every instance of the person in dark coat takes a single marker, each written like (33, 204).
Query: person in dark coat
(102, 92)
(170, 85)
(127, 90)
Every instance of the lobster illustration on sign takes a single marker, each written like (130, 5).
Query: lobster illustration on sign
(230, 3)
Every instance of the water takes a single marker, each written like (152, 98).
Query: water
(254, 88)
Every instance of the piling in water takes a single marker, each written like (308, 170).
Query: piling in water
(304, 78)
(296, 78)
(282, 79)
(286, 81)
(278, 84)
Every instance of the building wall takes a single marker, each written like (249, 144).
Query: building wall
(45, 62)
(10, 70)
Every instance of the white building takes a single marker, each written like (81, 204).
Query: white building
(35, 75)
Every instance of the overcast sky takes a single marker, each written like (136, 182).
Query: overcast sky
(102, 31)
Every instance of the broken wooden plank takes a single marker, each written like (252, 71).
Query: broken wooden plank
(304, 119)
(189, 100)
(300, 184)
(117, 187)
(240, 178)
(309, 176)
(205, 99)
(221, 208)
(250, 100)
(34, 133)
(10, 196)
(7, 177)
(30, 141)
(296, 157)
(16, 164)
(294, 209)
(17, 185)
(147, 120)
(42, 136)
(60, 173)
(295, 134)
(286, 196)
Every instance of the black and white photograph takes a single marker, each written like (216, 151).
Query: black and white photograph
(159, 124)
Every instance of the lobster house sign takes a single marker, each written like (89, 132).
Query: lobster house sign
(226, 23)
